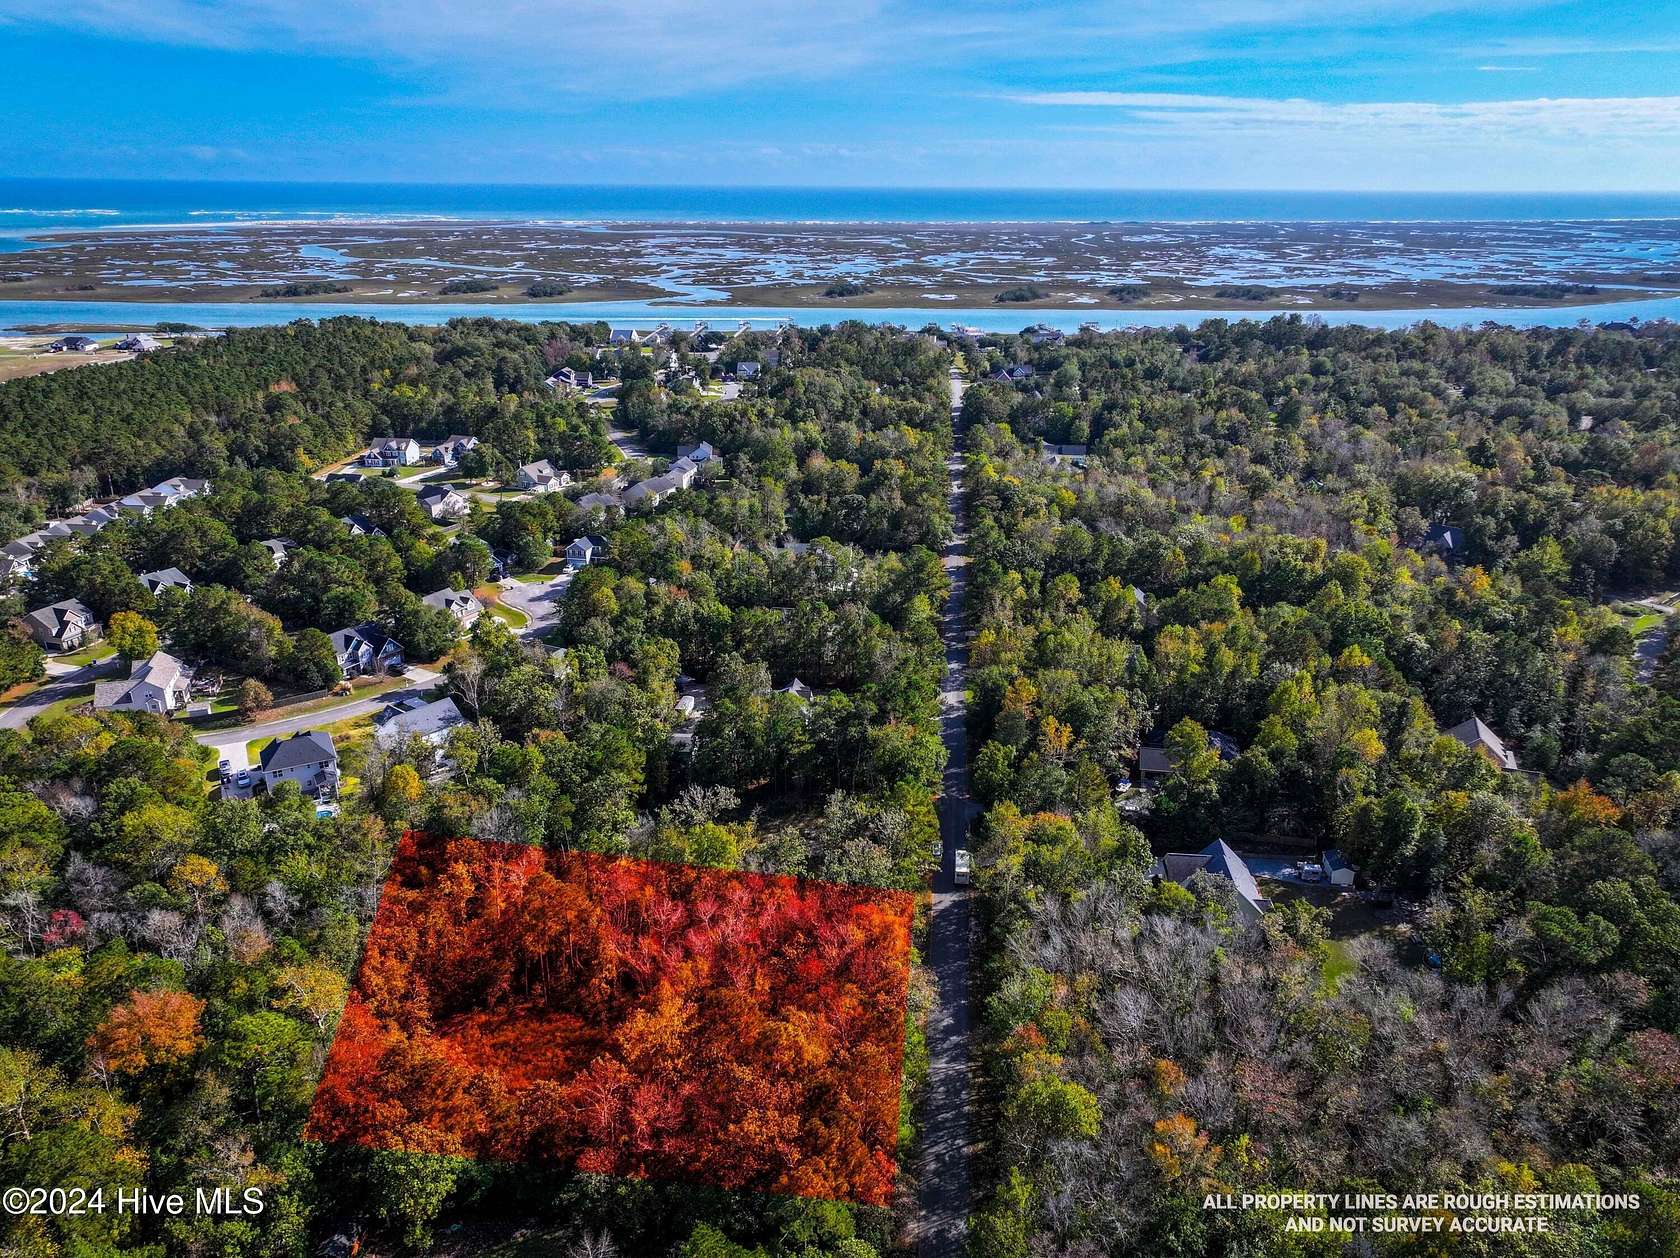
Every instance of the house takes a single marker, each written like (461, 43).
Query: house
(699, 452)
(160, 685)
(145, 502)
(1043, 334)
(73, 345)
(138, 342)
(600, 502)
(392, 452)
(583, 551)
(308, 758)
(398, 723)
(360, 526)
(461, 604)
(166, 579)
(179, 487)
(652, 491)
(449, 451)
(1056, 455)
(1011, 375)
(89, 524)
(443, 503)
(14, 570)
(66, 626)
(542, 477)
(1219, 861)
(746, 370)
(683, 471)
(1336, 868)
(1155, 764)
(365, 649)
(1473, 734)
(278, 548)
(24, 547)
(572, 380)
(798, 689)
(1444, 540)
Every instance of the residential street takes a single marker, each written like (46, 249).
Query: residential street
(946, 1179)
(419, 681)
(541, 602)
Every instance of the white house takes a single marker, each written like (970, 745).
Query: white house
(583, 551)
(308, 758)
(392, 452)
(683, 471)
(360, 526)
(699, 452)
(159, 685)
(542, 477)
(398, 723)
(138, 342)
(443, 503)
(461, 604)
(449, 451)
(1336, 868)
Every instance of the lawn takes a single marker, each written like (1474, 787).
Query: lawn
(512, 617)
(87, 655)
(73, 700)
(1639, 626)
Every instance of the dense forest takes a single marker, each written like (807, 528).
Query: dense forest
(1290, 556)
(1246, 571)
(175, 965)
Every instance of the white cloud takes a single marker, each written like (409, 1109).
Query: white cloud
(1577, 118)
(529, 49)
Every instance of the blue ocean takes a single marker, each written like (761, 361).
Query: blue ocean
(33, 204)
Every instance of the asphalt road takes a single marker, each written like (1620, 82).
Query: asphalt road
(945, 1190)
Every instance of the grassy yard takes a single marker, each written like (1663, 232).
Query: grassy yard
(75, 699)
(87, 655)
(1638, 626)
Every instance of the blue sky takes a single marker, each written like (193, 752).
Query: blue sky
(1427, 95)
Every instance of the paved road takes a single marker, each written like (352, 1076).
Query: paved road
(420, 680)
(62, 682)
(946, 1184)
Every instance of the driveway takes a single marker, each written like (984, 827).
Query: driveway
(62, 682)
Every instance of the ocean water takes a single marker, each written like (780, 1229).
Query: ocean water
(28, 205)
(112, 316)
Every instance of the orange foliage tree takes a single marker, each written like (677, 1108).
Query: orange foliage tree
(147, 1029)
(627, 1017)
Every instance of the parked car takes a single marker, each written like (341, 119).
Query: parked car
(963, 868)
(244, 779)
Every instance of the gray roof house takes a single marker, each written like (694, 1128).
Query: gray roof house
(278, 548)
(166, 579)
(1056, 455)
(449, 451)
(699, 452)
(461, 604)
(600, 502)
(1155, 764)
(1444, 540)
(1337, 869)
(159, 685)
(583, 551)
(443, 503)
(542, 477)
(652, 491)
(398, 723)
(138, 342)
(1473, 734)
(63, 626)
(1218, 860)
(365, 649)
(392, 452)
(798, 689)
(360, 526)
(308, 758)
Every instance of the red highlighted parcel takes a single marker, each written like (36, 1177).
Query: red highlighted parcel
(627, 1017)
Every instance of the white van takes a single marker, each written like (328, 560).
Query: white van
(964, 867)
